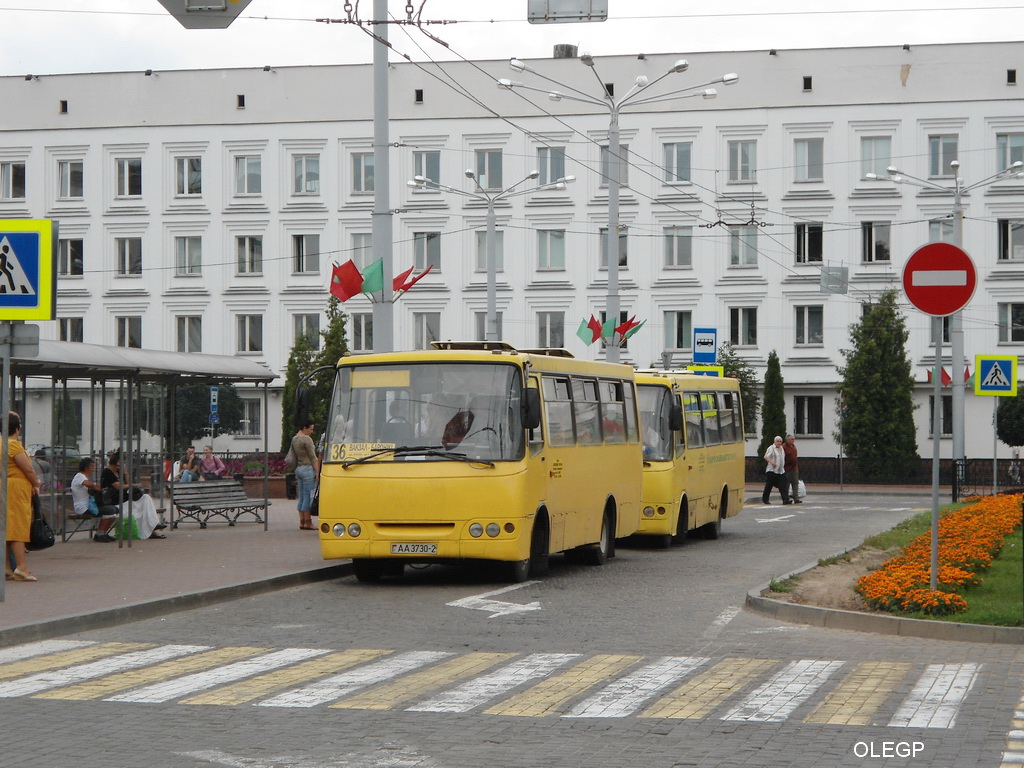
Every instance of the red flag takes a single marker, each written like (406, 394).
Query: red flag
(626, 327)
(946, 378)
(595, 327)
(399, 280)
(416, 279)
(346, 280)
(967, 373)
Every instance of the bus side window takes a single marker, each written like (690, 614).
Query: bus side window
(587, 411)
(709, 406)
(727, 417)
(558, 410)
(613, 412)
(535, 437)
(693, 420)
(632, 425)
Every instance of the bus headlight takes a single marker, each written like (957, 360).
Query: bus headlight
(476, 530)
(493, 529)
(339, 529)
(354, 529)
(648, 511)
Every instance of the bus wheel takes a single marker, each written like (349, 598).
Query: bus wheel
(713, 529)
(683, 523)
(662, 541)
(598, 554)
(367, 570)
(539, 550)
(518, 571)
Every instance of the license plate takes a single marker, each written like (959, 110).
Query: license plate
(413, 549)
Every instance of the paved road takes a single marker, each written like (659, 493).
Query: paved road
(648, 662)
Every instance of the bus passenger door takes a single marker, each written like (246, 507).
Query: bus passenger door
(543, 488)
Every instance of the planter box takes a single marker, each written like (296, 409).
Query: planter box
(254, 487)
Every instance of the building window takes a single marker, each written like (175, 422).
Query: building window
(12, 181)
(361, 337)
(875, 240)
(308, 327)
(427, 250)
(480, 322)
(252, 418)
(947, 416)
(1011, 322)
(70, 179)
(743, 246)
(809, 242)
(71, 257)
(129, 255)
(248, 175)
(250, 333)
(809, 325)
(551, 164)
(550, 330)
(940, 231)
(942, 150)
(1011, 239)
(188, 172)
(679, 330)
(305, 253)
(875, 155)
(129, 332)
(249, 254)
(488, 168)
(1010, 149)
(743, 326)
(678, 246)
(808, 420)
(810, 159)
(743, 161)
(481, 251)
(362, 249)
(677, 162)
(427, 163)
(623, 247)
(188, 255)
(129, 176)
(606, 168)
(426, 328)
(550, 249)
(71, 328)
(306, 171)
(190, 333)
(362, 172)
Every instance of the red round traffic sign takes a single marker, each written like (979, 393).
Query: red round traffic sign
(939, 279)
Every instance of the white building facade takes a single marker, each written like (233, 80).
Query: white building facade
(202, 211)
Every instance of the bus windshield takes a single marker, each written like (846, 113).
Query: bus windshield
(654, 419)
(426, 412)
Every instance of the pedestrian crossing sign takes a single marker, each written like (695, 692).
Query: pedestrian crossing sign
(995, 375)
(28, 289)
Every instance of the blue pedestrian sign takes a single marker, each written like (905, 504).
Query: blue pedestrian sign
(28, 288)
(995, 375)
(705, 346)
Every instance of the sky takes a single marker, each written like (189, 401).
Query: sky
(61, 36)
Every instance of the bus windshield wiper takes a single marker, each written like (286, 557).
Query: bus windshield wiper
(425, 450)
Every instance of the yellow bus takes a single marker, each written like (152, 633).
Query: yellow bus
(694, 462)
(477, 451)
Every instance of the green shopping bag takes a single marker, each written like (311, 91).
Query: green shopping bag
(121, 528)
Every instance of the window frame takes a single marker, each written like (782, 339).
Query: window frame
(809, 168)
(129, 330)
(361, 337)
(677, 255)
(128, 177)
(189, 333)
(248, 254)
(871, 159)
(489, 165)
(427, 251)
(810, 242)
(623, 248)
(185, 177)
(68, 327)
(66, 257)
(678, 330)
(249, 334)
(363, 170)
(188, 255)
(550, 329)
(548, 256)
(9, 180)
(306, 253)
(743, 326)
(1011, 240)
(1011, 322)
(743, 245)
(870, 241)
(307, 324)
(807, 410)
(128, 263)
(426, 328)
(807, 317)
(66, 174)
(551, 164)
(742, 161)
(940, 147)
(678, 162)
(248, 175)
(427, 163)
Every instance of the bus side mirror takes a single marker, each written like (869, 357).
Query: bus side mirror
(531, 409)
(300, 413)
(675, 417)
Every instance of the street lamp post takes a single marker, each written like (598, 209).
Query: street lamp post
(633, 99)
(490, 199)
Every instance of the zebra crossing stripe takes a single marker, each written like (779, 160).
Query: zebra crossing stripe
(421, 683)
(478, 691)
(858, 697)
(201, 681)
(698, 697)
(625, 696)
(64, 658)
(934, 701)
(333, 688)
(263, 685)
(28, 650)
(44, 681)
(547, 696)
(136, 678)
(774, 701)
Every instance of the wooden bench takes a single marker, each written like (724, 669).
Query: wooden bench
(202, 499)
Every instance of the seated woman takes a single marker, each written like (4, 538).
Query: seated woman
(82, 487)
(210, 466)
(141, 509)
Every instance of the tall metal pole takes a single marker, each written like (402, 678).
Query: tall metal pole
(612, 302)
(936, 442)
(491, 331)
(381, 232)
(956, 338)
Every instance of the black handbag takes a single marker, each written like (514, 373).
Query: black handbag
(40, 533)
(314, 504)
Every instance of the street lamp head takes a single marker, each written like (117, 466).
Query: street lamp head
(413, 184)
(680, 66)
(555, 96)
(641, 81)
(587, 59)
(872, 176)
(504, 82)
(517, 65)
(892, 170)
(567, 179)
(709, 93)
(420, 179)
(954, 164)
(533, 174)
(730, 79)
(1017, 166)
(470, 174)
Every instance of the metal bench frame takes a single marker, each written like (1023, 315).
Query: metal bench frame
(202, 499)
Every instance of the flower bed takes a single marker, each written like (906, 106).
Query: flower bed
(968, 540)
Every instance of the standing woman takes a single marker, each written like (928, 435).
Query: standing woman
(305, 473)
(22, 483)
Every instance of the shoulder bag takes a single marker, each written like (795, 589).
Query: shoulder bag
(40, 534)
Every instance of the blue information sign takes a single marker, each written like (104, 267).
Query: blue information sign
(705, 346)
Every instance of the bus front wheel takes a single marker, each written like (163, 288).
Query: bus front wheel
(598, 554)
(682, 523)
(367, 570)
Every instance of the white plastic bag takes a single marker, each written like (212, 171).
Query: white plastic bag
(801, 489)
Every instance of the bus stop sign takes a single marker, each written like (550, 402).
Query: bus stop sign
(939, 279)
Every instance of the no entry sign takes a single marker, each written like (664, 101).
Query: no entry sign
(939, 279)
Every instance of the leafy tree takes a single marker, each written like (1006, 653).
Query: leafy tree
(737, 368)
(1010, 415)
(773, 414)
(191, 407)
(300, 363)
(877, 392)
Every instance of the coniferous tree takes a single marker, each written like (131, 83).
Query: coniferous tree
(737, 368)
(1010, 417)
(877, 389)
(334, 346)
(773, 413)
(300, 363)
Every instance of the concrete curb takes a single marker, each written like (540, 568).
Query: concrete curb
(82, 622)
(879, 624)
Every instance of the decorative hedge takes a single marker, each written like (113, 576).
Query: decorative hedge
(968, 540)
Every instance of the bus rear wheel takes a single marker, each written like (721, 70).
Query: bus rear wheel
(367, 570)
(598, 554)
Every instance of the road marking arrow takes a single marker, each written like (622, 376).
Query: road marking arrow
(498, 608)
(774, 519)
